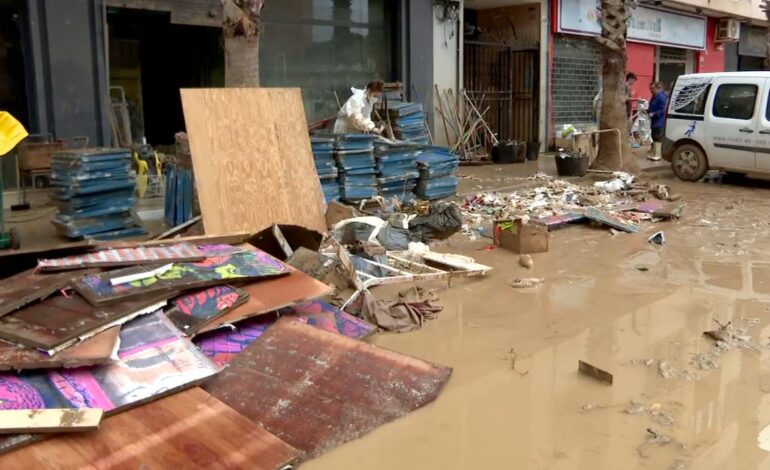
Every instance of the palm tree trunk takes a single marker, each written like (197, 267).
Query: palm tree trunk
(615, 13)
(241, 62)
(241, 26)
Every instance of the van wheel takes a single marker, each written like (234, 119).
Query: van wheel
(689, 163)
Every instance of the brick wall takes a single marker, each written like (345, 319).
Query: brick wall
(575, 80)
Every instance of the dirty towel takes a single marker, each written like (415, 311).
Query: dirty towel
(413, 307)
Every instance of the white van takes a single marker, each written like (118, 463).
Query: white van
(719, 121)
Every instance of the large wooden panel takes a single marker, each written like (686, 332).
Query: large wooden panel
(316, 390)
(252, 158)
(191, 429)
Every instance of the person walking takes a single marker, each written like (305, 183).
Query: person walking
(658, 106)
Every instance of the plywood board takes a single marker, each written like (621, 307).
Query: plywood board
(191, 429)
(99, 349)
(192, 311)
(50, 421)
(271, 295)
(317, 390)
(155, 360)
(224, 345)
(225, 264)
(124, 257)
(27, 287)
(252, 157)
(61, 321)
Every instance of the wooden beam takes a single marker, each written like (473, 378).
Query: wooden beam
(51, 420)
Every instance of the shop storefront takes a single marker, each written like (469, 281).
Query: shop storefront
(750, 53)
(662, 45)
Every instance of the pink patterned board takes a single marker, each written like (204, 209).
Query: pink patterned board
(125, 257)
(223, 345)
(154, 361)
(190, 312)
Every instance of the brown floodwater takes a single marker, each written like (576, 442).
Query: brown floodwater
(516, 399)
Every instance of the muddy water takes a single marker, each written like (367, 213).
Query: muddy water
(611, 301)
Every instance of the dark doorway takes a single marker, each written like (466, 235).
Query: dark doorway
(669, 72)
(13, 85)
(151, 59)
(505, 79)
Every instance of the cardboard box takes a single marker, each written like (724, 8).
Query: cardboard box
(521, 238)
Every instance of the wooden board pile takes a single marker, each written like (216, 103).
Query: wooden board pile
(131, 332)
(438, 173)
(355, 160)
(326, 167)
(95, 194)
(397, 169)
(408, 122)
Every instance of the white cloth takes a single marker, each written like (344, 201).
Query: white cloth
(356, 114)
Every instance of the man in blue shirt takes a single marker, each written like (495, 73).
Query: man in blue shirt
(658, 105)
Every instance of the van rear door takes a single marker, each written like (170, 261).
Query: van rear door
(762, 151)
(731, 125)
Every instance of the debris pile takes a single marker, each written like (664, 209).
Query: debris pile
(620, 203)
(150, 320)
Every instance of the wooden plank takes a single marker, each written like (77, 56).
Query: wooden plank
(150, 255)
(28, 287)
(252, 176)
(595, 372)
(271, 295)
(225, 265)
(155, 361)
(99, 349)
(192, 311)
(191, 429)
(317, 390)
(59, 322)
(49, 421)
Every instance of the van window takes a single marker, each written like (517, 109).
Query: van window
(735, 101)
(691, 99)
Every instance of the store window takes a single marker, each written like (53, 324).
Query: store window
(735, 101)
(326, 47)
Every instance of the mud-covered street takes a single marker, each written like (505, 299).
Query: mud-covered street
(635, 309)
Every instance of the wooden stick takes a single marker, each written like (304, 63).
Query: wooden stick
(441, 111)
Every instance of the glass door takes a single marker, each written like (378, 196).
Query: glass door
(670, 63)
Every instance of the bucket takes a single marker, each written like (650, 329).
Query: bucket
(571, 165)
(533, 150)
(509, 152)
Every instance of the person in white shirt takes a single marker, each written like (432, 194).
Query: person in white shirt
(356, 114)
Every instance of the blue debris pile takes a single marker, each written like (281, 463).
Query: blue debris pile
(355, 160)
(438, 173)
(408, 122)
(397, 169)
(326, 166)
(95, 194)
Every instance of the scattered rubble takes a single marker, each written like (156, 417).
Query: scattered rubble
(526, 261)
(558, 201)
